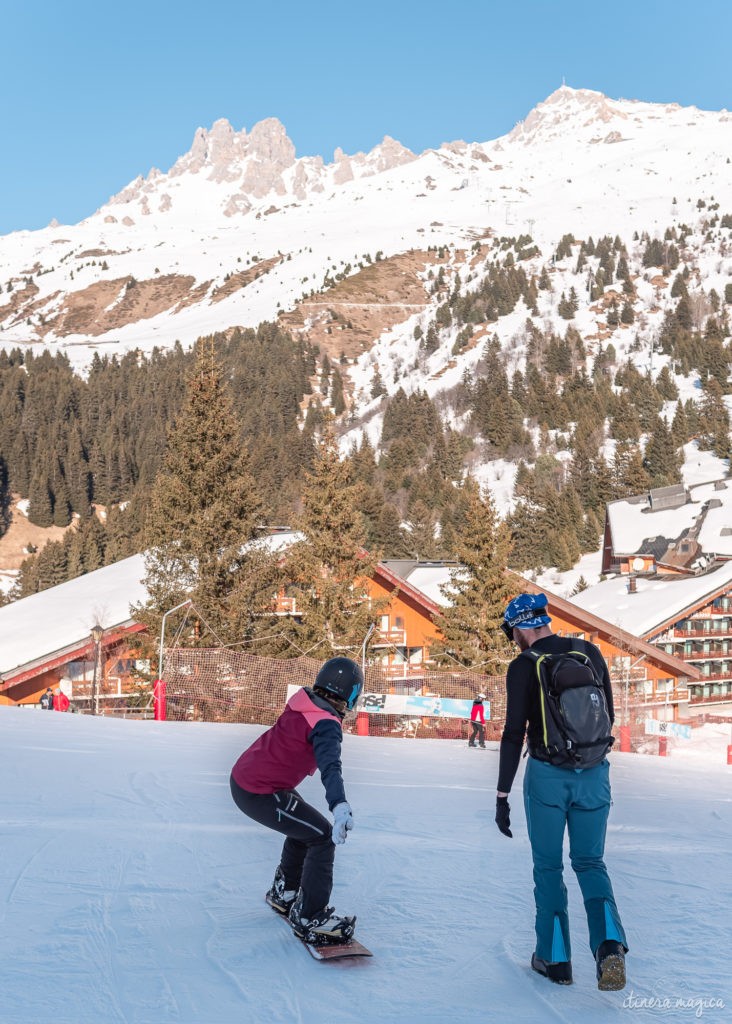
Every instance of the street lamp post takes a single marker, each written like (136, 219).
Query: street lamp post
(96, 634)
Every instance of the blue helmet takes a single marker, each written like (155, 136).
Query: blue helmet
(340, 678)
(527, 611)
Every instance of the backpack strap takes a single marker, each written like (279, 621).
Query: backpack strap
(538, 659)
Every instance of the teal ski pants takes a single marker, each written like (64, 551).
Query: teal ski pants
(578, 800)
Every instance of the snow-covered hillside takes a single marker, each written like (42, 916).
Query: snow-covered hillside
(132, 887)
(240, 228)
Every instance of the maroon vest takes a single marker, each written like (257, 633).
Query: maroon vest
(282, 756)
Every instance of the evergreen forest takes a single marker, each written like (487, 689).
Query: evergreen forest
(74, 445)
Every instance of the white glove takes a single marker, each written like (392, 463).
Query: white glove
(342, 822)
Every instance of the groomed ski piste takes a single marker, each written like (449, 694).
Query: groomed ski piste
(131, 887)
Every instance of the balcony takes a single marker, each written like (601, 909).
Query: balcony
(404, 671)
(684, 634)
(712, 698)
(714, 677)
(678, 696)
(704, 655)
(390, 638)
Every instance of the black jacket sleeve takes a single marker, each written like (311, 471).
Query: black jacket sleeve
(326, 739)
(514, 732)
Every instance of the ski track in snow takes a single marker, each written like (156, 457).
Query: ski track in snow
(131, 889)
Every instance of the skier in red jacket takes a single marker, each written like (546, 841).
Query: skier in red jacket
(477, 722)
(306, 737)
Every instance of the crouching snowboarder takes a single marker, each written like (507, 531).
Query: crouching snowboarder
(307, 736)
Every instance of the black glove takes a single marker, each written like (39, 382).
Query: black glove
(503, 816)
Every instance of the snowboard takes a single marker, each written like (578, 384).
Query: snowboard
(330, 950)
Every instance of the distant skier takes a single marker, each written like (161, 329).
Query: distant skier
(46, 700)
(477, 722)
(60, 700)
(307, 736)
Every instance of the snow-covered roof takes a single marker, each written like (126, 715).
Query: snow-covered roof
(632, 521)
(655, 600)
(61, 617)
(429, 579)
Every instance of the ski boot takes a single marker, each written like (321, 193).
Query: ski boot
(610, 959)
(279, 898)
(560, 973)
(325, 927)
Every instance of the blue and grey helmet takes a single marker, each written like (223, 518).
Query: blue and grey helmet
(340, 678)
(527, 611)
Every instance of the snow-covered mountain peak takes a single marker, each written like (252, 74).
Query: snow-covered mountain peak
(588, 116)
(250, 166)
(224, 154)
(240, 229)
(570, 111)
(388, 154)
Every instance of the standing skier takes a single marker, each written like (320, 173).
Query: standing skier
(558, 797)
(307, 736)
(477, 722)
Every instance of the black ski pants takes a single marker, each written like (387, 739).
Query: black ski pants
(477, 730)
(308, 852)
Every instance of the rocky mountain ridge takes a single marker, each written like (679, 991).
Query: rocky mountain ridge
(241, 230)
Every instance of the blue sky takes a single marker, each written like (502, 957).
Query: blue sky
(94, 93)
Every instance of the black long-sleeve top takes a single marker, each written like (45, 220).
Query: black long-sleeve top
(523, 709)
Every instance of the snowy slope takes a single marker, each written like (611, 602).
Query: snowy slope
(132, 887)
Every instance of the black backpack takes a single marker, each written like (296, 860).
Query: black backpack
(575, 722)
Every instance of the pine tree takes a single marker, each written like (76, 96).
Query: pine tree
(40, 507)
(666, 386)
(337, 399)
(480, 589)
(715, 420)
(680, 426)
(204, 506)
(377, 385)
(421, 532)
(629, 474)
(330, 566)
(661, 459)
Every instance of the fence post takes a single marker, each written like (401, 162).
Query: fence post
(729, 753)
(362, 723)
(624, 739)
(662, 742)
(159, 700)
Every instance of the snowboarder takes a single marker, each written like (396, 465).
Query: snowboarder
(477, 722)
(558, 797)
(307, 736)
